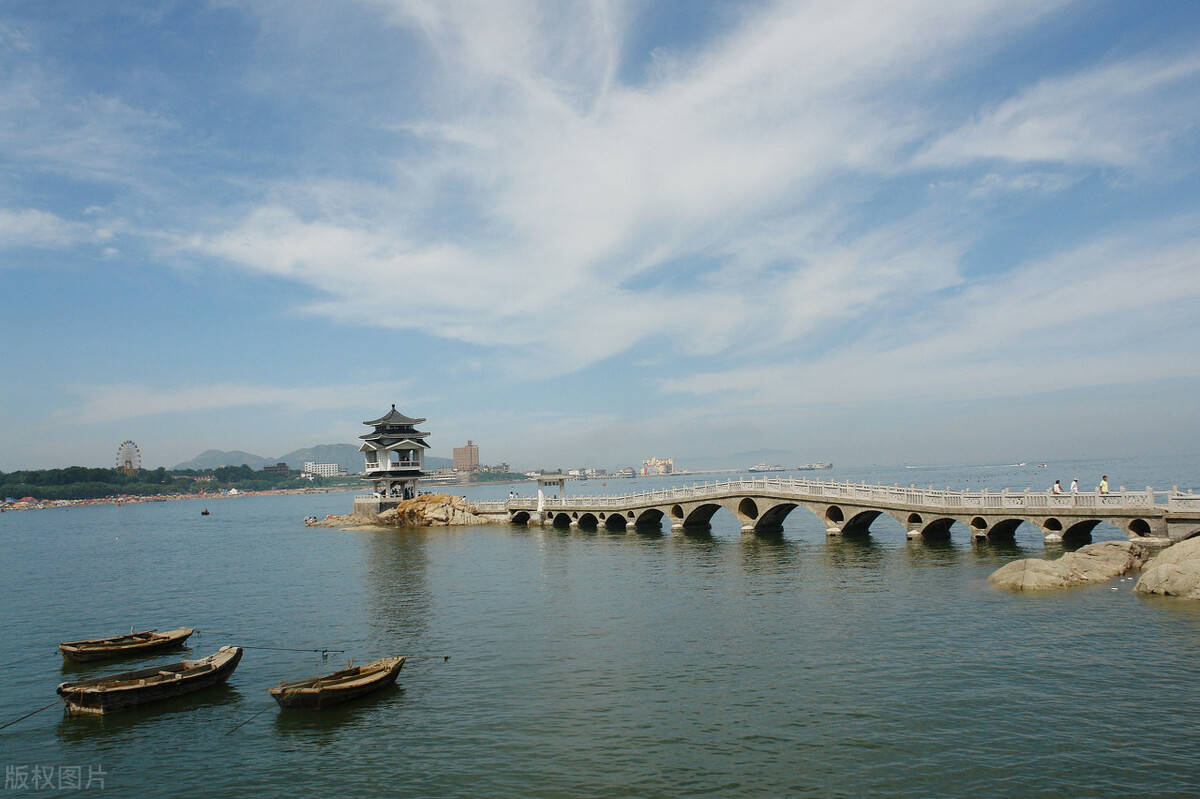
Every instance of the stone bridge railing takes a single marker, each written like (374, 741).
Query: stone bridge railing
(889, 496)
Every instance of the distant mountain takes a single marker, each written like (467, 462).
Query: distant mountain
(345, 455)
(212, 458)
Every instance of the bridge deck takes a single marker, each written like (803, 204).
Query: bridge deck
(1117, 502)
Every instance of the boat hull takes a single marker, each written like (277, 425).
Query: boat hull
(123, 645)
(131, 689)
(317, 695)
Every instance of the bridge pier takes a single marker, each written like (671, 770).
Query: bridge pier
(833, 531)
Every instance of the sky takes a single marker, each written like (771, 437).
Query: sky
(588, 233)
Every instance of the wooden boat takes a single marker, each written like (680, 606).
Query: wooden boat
(123, 645)
(332, 689)
(144, 686)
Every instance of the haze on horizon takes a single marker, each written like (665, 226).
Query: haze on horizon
(929, 231)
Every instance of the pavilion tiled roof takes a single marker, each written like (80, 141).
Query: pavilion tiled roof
(394, 417)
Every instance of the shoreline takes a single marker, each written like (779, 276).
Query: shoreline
(131, 499)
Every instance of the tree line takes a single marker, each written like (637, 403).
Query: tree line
(81, 482)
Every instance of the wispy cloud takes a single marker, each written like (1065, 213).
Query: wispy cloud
(1113, 311)
(1122, 114)
(579, 187)
(117, 401)
(30, 227)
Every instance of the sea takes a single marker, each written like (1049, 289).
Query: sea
(576, 663)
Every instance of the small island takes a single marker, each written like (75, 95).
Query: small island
(426, 510)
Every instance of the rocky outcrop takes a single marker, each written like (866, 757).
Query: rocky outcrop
(430, 510)
(1093, 563)
(1173, 572)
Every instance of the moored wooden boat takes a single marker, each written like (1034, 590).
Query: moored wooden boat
(332, 689)
(144, 686)
(123, 645)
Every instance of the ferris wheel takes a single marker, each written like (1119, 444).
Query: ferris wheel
(129, 457)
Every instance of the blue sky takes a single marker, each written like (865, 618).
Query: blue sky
(937, 231)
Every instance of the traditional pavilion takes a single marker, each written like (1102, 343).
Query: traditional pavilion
(395, 454)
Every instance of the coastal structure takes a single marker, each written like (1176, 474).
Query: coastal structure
(762, 504)
(129, 457)
(323, 469)
(394, 456)
(658, 466)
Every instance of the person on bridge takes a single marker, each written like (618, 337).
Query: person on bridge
(1075, 486)
(1057, 487)
(1104, 484)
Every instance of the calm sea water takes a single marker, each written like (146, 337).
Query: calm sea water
(604, 665)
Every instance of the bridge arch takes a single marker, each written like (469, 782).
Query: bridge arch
(834, 516)
(615, 522)
(748, 508)
(938, 529)
(860, 523)
(1005, 529)
(772, 518)
(1139, 527)
(701, 516)
(1053, 525)
(650, 517)
(588, 521)
(1080, 531)
(677, 512)
(561, 520)
(520, 517)
(914, 520)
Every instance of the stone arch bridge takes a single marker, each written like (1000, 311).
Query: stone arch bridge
(761, 505)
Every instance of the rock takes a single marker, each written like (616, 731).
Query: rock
(1173, 572)
(1093, 563)
(431, 510)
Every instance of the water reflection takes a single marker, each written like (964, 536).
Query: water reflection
(933, 552)
(856, 563)
(397, 565)
(859, 551)
(769, 553)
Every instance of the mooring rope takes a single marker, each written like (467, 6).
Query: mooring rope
(27, 715)
(324, 651)
(247, 721)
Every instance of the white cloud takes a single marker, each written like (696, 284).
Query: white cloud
(1113, 311)
(30, 227)
(572, 185)
(1120, 114)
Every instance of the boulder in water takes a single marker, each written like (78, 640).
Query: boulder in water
(1093, 563)
(1173, 572)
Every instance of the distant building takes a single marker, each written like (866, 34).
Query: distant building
(498, 468)
(624, 471)
(279, 468)
(658, 466)
(466, 459)
(321, 469)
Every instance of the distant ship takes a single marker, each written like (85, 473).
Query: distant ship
(812, 467)
(763, 467)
